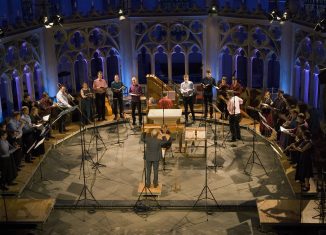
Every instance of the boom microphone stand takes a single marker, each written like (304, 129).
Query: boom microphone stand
(206, 188)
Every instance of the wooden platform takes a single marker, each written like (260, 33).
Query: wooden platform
(278, 212)
(151, 191)
(26, 211)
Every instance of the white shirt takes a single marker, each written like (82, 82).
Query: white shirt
(187, 88)
(62, 100)
(233, 105)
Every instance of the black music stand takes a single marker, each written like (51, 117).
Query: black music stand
(254, 157)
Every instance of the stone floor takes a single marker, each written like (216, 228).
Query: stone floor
(183, 178)
(183, 181)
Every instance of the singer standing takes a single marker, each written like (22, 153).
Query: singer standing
(117, 89)
(99, 87)
(187, 91)
(86, 103)
(135, 91)
(208, 83)
(233, 107)
(63, 103)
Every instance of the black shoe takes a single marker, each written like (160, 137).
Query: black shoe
(12, 184)
(28, 161)
(147, 186)
(115, 118)
(233, 140)
(239, 138)
(155, 185)
(134, 123)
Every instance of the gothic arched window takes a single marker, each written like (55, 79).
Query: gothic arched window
(112, 65)
(17, 90)
(81, 74)
(64, 73)
(241, 67)
(226, 64)
(195, 65)
(273, 78)
(144, 65)
(257, 71)
(178, 65)
(96, 64)
(6, 96)
(161, 64)
(38, 81)
(28, 83)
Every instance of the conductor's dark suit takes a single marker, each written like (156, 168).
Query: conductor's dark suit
(153, 155)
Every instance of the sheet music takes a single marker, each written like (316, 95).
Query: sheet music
(190, 135)
(287, 131)
(46, 118)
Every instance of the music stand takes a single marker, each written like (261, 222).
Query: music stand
(255, 114)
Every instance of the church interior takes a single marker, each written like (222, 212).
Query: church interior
(88, 88)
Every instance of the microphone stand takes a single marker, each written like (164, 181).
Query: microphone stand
(204, 193)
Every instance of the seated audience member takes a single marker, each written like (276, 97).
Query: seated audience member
(165, 102)
(286, 138)
(280, 106)
(27, 101)
(7, 163)
(18, 154)
(45, 104)
(31, 134)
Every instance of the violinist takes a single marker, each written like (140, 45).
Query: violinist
(63, 103)
(236, 86)
(223, 87)
(86, 103)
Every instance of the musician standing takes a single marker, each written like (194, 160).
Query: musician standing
(223, 87)
(63, 103)
(208, 83)
(86, 103)
(117, 89)
(99, 87)
(187, 91)
(135, 92)
(236, 86)
(233, 107)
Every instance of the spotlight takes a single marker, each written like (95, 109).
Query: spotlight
(57, 20)
(121, 15)
(46, 22)
(321, 26)
(213, 10)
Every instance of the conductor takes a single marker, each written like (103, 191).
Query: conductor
(153, 155)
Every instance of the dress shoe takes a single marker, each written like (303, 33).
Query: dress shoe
(147, 186)
(155, 185)
(115, 118)
(233, 140)
(28, 161)
(12, 184)
(134, 123)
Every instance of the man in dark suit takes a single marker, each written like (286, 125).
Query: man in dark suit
(153, 155)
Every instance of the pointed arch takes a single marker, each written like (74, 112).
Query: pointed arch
(195, 61)
(178, 64)
(161, 63)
